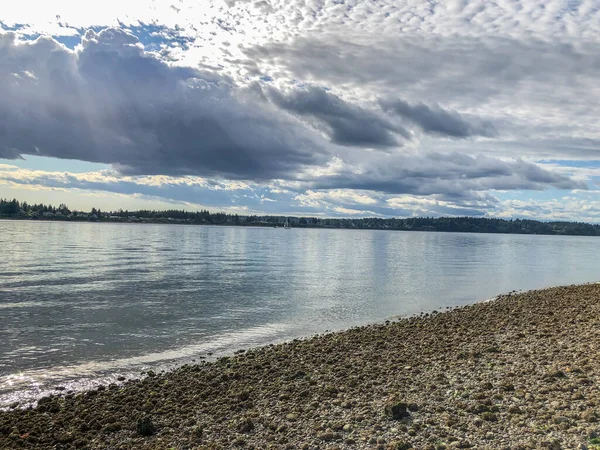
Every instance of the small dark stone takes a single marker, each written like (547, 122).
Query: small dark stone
(48, 404)
(396, 410)
(489, 416)
(514, 410)
(246, 426)
(65, 438)
(145, 427)
(198, 431)
(328, 436)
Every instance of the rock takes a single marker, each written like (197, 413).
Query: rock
(291, 416)
(396, 410)
(514, 410)
(552, 445)
(399, 445)
(245, 426)
(49, 404)
(328, 435)
(65, 438)
(489, 416)
(145, 426)
(347, 427)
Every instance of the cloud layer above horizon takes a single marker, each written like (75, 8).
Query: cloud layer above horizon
(322, 107)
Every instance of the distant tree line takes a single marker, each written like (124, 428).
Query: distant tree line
(13, 209)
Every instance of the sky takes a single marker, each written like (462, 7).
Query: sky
(332, 108)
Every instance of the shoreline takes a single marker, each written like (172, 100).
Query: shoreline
(309, 227)
(75, 383)
(518, 372)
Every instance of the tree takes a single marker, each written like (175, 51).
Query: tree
(10, 208)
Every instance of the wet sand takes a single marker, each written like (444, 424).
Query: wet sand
(520, 372)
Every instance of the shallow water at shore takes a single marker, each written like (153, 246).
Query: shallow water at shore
(82, 303)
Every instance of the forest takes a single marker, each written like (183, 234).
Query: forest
(13, 209)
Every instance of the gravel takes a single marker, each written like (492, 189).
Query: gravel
(520, 372)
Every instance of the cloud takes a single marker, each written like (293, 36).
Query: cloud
(112, 102)
(338, 196)
(346, 124)
(581, 208)
(326, 100)
(433, 206)
(523, 87)
(435, 120)
(192, 190)
(197, 193)
(454, 175)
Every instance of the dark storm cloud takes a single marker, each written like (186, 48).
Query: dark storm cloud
(435, 120)
(346, 124)
(112, 102)
(453, 175)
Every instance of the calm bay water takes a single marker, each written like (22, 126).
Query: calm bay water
(83, 303)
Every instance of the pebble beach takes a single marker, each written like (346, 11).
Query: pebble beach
(519, 372)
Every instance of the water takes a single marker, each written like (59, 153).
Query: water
(84, 303)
